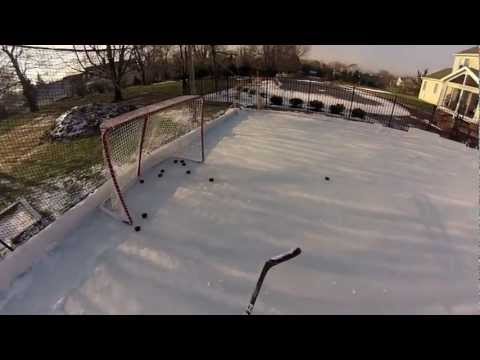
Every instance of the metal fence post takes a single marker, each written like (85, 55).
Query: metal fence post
(308, 96)
(432, 120)
(351, 103)
(228, 88)
(393, 108)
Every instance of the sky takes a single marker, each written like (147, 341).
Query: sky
(398, 59)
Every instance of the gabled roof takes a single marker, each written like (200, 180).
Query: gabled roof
(475, 71)
(439, 74)
(474, 50)
(446, 74)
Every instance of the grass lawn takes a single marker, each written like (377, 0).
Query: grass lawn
(29, 160)
(414, 102)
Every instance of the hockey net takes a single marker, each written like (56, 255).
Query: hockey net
(136, 141)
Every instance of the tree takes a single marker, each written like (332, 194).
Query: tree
(140, 55)
(151, 61)
(180, 59)
(20, 65)
(420, 74)
(8, 78)
(385, 79)
(109, 62)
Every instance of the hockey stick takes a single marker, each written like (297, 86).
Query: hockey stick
(268, 265)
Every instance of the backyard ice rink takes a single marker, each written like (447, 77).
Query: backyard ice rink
(394, 231)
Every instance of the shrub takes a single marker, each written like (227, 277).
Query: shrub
(296, 102)
(337, 109)
(316, 105)
(276, 100)
(358, 113)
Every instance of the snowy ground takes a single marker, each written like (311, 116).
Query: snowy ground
(393, 231)
(365, 100)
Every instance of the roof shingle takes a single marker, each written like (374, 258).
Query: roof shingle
(439, 74)
(473, 50)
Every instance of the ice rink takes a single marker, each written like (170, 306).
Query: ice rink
(393, 231)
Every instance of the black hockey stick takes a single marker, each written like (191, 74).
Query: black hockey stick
(268, 265)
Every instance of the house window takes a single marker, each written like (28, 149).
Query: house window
(466, 62)
(435, 89)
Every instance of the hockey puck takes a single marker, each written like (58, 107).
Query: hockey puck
(327, 178)
(160, 175)
(183, 164)
(144, 215)
(211, 180)
(162, 171)
(142, 181)
(188, 171)
(175, 161)
(137, 228)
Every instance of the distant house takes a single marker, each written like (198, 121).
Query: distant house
(455, 90)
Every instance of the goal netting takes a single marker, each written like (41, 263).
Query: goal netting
(136, 141)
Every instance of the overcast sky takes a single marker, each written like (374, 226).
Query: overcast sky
(399, 59)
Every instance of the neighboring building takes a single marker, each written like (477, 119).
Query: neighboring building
(399, 82)
(455, 90)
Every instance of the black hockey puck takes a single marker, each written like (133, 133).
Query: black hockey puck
(175, 161)
(142, 181)
(163, 170)
(160, 175)
(183, 164)
(137, 228)
(211, 180)
(188, 171)
(327, 178)
(144, 215)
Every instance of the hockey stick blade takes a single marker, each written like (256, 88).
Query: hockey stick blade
(284, 257)
(268, 265)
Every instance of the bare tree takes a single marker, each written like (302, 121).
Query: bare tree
(181, 64)
(140, 54)
(151, 61)
(302, 50)
(110, 62)
(19, 62)
(285, 58)
(8, 78)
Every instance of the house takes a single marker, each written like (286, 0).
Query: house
(455, 90)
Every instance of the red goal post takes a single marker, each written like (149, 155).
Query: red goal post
(138, 140)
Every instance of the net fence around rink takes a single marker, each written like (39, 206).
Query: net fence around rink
(50, 159)
(42, 176)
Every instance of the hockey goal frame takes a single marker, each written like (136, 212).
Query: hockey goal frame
(143, 114)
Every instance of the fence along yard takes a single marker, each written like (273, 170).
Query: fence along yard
(54, 175)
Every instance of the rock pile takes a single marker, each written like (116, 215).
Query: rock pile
(85, 120)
